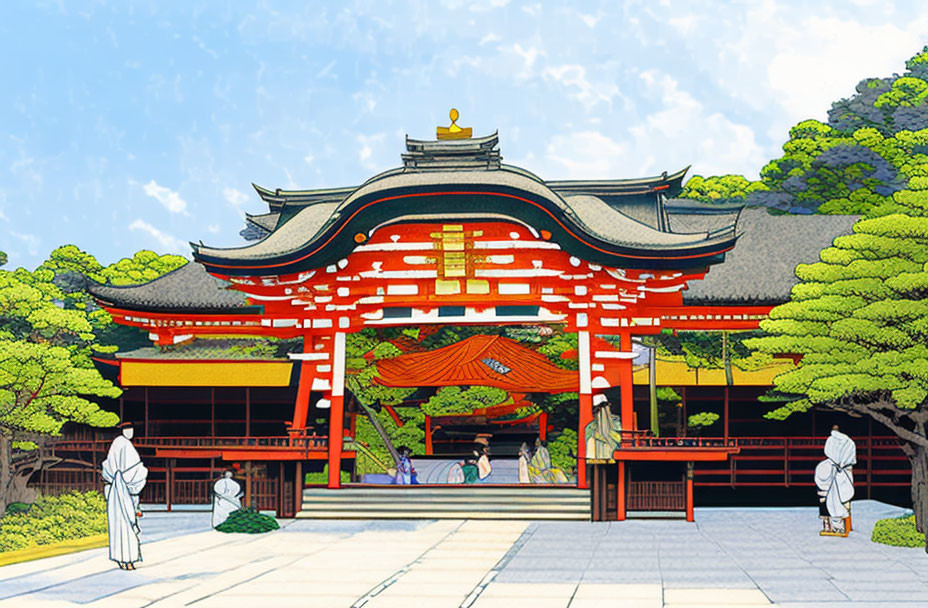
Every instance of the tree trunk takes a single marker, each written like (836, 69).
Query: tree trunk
(918, 457)
(372, 416)
(6, 469)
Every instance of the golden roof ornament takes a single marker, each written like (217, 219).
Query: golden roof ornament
(454, 131)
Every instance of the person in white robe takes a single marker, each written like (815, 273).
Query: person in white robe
(484, 468)
(124, 476)
(834, 478)
(227, 497)
(525, 455)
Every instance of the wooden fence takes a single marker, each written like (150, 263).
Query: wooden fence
(656, 496)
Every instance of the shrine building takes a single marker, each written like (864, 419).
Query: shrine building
(454, 237)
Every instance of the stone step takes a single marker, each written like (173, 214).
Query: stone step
(552, 493)
(467, 514)
(471, 502)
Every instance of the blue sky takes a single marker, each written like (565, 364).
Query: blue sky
(131, 125)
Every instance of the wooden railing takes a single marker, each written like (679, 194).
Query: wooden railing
(656, 496)
(309, 442)
(640, 439)
(791, 461)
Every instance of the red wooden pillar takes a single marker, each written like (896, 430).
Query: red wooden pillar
(620, 493)
(689, 492)
(428, 435)
(336, 430)
(337, 410)
(298, 488)
(626, 383)
(307, 372)
(543, 426)
(586, 416)
(168, 481)
(248, 488)
(586, 404)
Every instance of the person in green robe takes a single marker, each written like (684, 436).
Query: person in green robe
(603, 434)
(540, 468)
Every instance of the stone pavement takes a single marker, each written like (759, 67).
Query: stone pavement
(729, 557)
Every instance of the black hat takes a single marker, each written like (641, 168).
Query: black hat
(124, 425)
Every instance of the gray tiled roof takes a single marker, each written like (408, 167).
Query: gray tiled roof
(268, 221)
(189, 287)
(597, 217)
(760, 269)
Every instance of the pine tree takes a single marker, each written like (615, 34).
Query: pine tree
(859, 318)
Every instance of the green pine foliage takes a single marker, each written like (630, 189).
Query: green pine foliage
(721, 189)
(248, 521)
(53, 519)
(898, 532)
(856, 163)
(463, 400)
(46, 374)
(702, 420)
(563, 450)
(859, 317)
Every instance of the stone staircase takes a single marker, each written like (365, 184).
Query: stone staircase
(453, 502)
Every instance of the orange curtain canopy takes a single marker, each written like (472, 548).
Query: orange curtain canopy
(478, 360)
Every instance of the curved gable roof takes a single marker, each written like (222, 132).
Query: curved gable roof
(461, 179)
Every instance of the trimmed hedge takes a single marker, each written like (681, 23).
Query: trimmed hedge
(248, 521)
(898, 532)
(322, 478)
(53, 519)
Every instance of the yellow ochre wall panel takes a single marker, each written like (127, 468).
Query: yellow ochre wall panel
(677, 373)
(218, 373)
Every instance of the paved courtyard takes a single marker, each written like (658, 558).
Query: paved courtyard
(729, 557)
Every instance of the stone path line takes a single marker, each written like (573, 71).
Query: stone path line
(730, 557)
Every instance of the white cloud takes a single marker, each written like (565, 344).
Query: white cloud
(573, 77)
(25, 167)
(366, 100)
(234, 197)
(532, 10)
(528, 56)
(213, 228)
(366, 151)
(168, 198)
(324, 72)
(483, 6)
(166, 241)
(680, 131)
(684, 24)
(591, 20)
(30, 241)
(490, 38)
(713, 142)
(587, 155)
(810, 72)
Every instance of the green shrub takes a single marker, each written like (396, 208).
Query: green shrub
(53, 519)
(322, 477)
(563, 451)
(898, 532)
(248, 521)
(17, 507)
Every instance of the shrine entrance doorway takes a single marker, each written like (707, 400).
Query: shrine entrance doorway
(449, 392)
